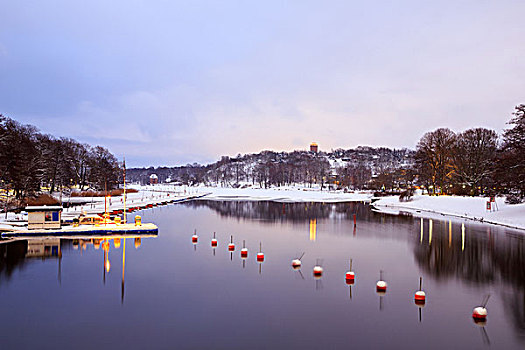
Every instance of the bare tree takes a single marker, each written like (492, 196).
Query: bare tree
(434, 159)
(474, 154)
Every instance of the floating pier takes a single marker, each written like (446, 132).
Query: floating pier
(87, 230)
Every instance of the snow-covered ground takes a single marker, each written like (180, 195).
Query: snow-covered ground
(421, 205)
(283, 194)
(97, 205)
(254, 193)
(474, 208)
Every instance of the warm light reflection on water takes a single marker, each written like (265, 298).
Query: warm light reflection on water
(313, 230)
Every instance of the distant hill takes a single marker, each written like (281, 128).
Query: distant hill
(353, 168)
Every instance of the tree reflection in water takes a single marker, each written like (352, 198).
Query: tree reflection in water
(483, 259)
(479, 257)
(274, 211)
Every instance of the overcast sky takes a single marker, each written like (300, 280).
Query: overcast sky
(169, 83)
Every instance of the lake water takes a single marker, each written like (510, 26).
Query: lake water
(66, 293)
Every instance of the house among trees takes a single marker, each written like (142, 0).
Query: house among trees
(153, 179)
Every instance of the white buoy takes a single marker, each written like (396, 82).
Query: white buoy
(381, 285)
(195, 238)
(296, 263)
(318, 271)
(480, 312)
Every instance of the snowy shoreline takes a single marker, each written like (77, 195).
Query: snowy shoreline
(471, 208)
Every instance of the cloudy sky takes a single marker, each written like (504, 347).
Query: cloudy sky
(168, 82)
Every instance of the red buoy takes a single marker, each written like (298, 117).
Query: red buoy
(244, 251)
(260, 255)
(214, 241)
(231, 246)
(420, 296)
(195, 238)
(350, 275)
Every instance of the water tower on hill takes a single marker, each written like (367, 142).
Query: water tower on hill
(313, 147)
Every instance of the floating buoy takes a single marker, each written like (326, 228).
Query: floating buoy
(350, 275)
(244, 251)
(381, 285)
(231, 246)
(480, 312)
(296, 263)
(318, 270)
(195, 238)
(420, 296)
(260, 255)
(214, 241)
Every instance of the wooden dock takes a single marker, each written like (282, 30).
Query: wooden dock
(118, 230)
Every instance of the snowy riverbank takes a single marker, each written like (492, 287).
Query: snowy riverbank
(285, 194)
(473, 208)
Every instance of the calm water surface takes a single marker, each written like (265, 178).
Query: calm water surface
(65, 293)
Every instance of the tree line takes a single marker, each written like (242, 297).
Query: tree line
(475, 161)
(31, 161)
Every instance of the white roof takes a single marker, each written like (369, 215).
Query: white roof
(153, 176)
(44, 208)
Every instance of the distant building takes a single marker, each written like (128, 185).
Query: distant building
(313, 147)
(43, 217)
(153, 179)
